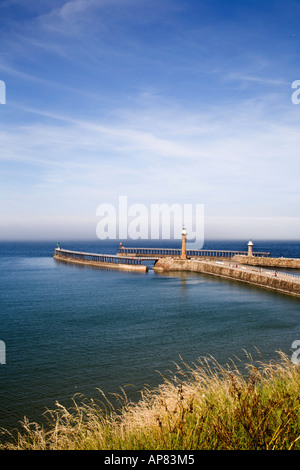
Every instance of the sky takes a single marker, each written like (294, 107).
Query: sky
(159, 101)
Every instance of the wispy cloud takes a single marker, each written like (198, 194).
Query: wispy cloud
(198, 155)
(257, 79)
(161, 101)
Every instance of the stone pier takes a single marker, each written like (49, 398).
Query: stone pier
(279, 282)
(291, 263)
(100, 260)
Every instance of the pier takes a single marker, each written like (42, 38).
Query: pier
(100, 260)
(262, 259)
(244, 266)
(156, 253)
(240, 267)
(285, 283)
(290, 263)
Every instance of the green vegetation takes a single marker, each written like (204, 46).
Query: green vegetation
(205, 406)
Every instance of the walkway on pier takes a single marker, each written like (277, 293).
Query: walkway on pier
(267, 272)
(97, 259)
(282, 282)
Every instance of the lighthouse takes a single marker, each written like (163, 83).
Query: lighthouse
(183, 249)
(250, 248)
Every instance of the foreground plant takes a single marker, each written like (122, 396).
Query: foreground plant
(205, 406)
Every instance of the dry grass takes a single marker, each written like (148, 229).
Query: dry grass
(205, 406)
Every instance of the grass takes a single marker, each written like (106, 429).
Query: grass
(204, 406)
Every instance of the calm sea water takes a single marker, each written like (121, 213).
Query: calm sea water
(71, 329)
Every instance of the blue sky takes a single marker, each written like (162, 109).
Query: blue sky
(169, 101)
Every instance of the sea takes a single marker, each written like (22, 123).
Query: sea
(82, 332)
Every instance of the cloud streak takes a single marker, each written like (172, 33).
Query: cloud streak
(162, 102)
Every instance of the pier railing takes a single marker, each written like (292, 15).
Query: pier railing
(161, 252)
(102, 258)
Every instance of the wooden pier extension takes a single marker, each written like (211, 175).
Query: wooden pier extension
(156, 253)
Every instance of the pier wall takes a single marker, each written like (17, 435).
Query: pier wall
(100, 264)
(261, 279)
(293, 263)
